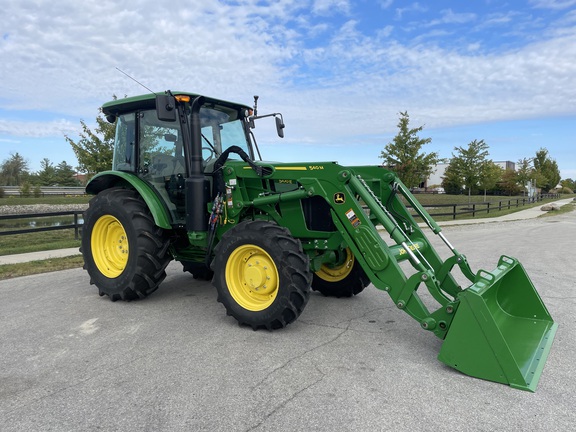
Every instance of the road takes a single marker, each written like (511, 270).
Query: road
(74, 361)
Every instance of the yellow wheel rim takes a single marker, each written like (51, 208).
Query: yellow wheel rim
(252, 277)
(109, 244)
(338, 272)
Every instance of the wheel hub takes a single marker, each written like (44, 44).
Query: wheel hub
(259, 274)
(110, 248)
(252, 277)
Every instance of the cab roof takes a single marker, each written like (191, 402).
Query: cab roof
(148, 101)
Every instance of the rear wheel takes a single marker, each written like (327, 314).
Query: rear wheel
(261, 274)
(344, 279)
(125, 253)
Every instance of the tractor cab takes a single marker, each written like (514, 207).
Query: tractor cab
(156, 141)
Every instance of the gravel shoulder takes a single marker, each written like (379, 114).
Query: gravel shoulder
(40, 208)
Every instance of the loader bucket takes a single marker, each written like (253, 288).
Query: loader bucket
(501, 330)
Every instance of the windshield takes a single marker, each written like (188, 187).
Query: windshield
(221, 130)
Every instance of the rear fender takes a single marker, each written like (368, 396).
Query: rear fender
(109, 179)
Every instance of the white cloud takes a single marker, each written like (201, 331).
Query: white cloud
(69, 50)
(498, 19)
(414, 7)
(553, 4)
(447, 16)
(61, 57)
(384, 32)
(326, 7)
(36, 129)
(385, 4)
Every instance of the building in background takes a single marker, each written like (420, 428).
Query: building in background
(435, 179)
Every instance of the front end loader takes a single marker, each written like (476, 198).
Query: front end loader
(186, 185)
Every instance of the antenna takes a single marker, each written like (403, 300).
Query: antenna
(135, 80)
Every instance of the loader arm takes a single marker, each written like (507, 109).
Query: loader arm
(363, 221)
(496, 328)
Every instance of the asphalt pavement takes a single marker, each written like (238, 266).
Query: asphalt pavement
(73, 361)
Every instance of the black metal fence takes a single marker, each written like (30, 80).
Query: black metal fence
(455, 210)
(76, 225)
(481, 207)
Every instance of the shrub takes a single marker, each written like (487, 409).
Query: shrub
(2, 193)
(565, 190)
(25, 190)
(451, 188)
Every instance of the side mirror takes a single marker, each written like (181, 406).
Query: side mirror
(166, 107)
(280, 126)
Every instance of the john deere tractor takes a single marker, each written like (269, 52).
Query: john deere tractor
(188, 184)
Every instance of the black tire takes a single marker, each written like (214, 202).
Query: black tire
(344, 280)
(262, 275)
(125, 253)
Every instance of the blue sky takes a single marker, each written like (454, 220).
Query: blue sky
(339, 70)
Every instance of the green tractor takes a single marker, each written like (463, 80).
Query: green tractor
(188, 184)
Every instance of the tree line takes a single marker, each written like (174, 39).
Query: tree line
(94, 151)
(14, 171)
(469, 170)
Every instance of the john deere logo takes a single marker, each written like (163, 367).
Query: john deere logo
(339, 198)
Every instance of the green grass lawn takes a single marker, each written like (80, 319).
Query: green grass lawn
(564, 209)
(10, 271)
(46, 240)
(54, 200)
(40, 241)
(431, 199)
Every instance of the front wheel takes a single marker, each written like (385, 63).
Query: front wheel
(125, 253)
(261, 274)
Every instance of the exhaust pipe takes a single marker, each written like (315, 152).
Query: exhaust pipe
(196, 216)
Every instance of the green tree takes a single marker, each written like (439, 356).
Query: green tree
(490, 175)
(65, 175)
(468, 163)
(509, 182)
(452, 182)
(540, 179)
(524, 172)
(47, 174)
(404, 154)
(94, 149)
(568, 183)
(14, 170)
(547, 169)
